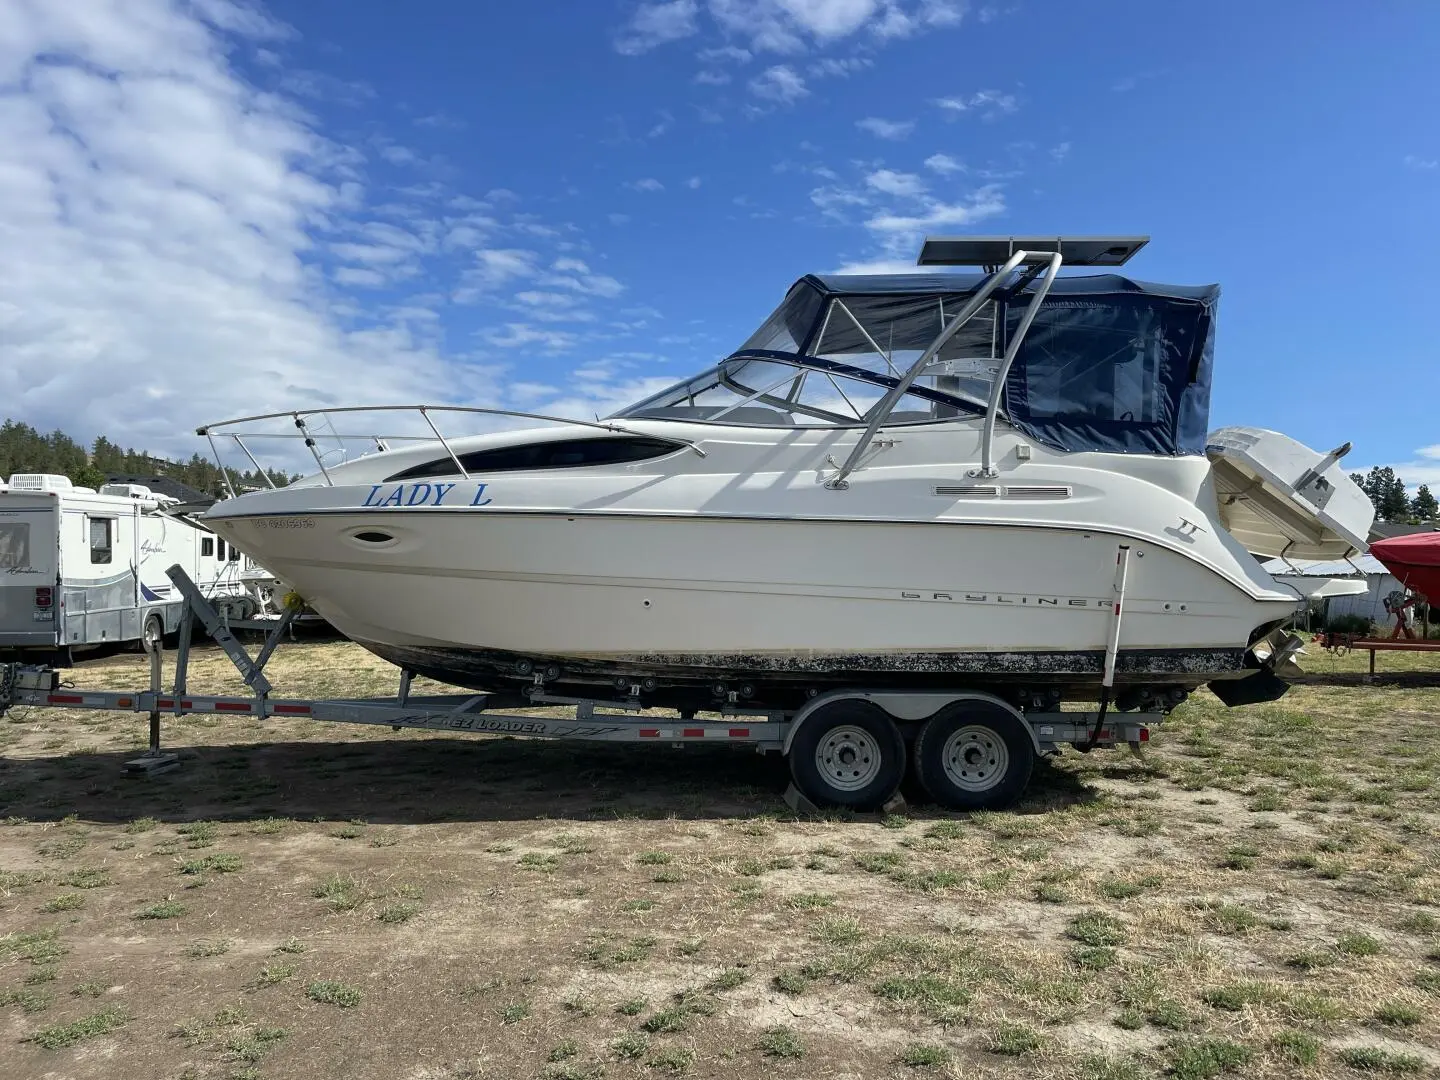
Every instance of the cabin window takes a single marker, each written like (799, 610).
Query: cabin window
(558, 454)
(14, 545)
(207, 545)
(234, 553)
(102, 539)
(220, 549)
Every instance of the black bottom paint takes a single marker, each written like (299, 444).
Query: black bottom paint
(690, 680)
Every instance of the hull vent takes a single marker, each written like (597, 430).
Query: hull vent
(1037, 491)
(968, 491)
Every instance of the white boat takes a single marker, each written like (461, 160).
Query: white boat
(999, 481)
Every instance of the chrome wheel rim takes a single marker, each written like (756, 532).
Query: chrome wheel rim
(848, 757)
(975, 758)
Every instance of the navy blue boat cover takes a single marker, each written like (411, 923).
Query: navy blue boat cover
(1109, 363)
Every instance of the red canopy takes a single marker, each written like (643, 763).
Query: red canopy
(1414, 559)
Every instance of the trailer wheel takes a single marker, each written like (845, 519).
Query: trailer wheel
(974, 755)
(152, 637)
(848, 754)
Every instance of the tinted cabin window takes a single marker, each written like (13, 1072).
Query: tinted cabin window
(207, 545)
(102, 539)
(563, 454)
(220, 549)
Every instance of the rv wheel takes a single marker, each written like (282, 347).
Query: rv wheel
(153, 636)
(848, 754)
(974, 755)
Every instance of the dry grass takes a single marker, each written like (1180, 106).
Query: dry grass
(1257, 896)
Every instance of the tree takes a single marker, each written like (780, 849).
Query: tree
(25, 450)
(1394, 503)
(1386, 492)
(1424, 507)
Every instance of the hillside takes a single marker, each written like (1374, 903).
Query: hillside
(24, 449)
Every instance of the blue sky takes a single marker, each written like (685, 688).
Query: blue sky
(224, 207)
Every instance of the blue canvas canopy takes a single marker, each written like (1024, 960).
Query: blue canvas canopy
(1109, 363)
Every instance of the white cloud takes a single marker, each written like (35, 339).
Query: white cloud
(779, 83)
(515, 335)
(322, 87)
(576, 275)
(886, 129)
(712, 78)
(943, 164)
(835, 202)
(731, 53)
(657, 24)
(554, 306)
(882, 266)
(786, 26)
(439, 120)
(1414, 162)
(839, 67)
(899, 23)
(889, 182)
(649, 183)
(989, 104)
(693, 183)
(829, 18)
(351, 275)
(986, 202)
(162, 222)
(495, 267)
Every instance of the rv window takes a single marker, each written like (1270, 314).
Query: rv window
(14, 545)
(220, 549)
(207, 545)
(102, 539)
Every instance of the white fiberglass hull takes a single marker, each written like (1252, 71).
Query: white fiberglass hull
(466, 593)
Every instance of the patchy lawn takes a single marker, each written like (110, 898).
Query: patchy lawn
(1258, 896)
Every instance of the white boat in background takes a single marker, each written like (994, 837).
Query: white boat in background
(999, 481)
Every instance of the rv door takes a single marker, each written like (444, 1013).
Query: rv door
(29, 571)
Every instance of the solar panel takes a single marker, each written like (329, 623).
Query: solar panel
(996, 250)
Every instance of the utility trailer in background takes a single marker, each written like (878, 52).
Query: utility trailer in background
(970, 750)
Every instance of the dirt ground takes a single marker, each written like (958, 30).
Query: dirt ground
(1259, 895)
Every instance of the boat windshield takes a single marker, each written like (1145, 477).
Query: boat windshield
(1107, 364)
(859, 347)
(773, 392)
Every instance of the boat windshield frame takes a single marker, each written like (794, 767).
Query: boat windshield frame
(723, 374)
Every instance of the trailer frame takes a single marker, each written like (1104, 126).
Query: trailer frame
(593, 720)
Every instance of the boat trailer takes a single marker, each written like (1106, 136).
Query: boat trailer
(846, 748)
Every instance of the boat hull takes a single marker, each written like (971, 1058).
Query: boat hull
(473, 597)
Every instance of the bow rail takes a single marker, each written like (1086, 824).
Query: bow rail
(308, 424)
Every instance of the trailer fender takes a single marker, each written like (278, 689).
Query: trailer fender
(912, 705)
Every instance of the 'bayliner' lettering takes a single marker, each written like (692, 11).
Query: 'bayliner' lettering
(419, 495)
(1007, 598)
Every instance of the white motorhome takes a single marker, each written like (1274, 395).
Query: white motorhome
(81, 568)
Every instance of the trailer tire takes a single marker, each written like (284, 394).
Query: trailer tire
(848, 754)
(152, 637)
(974, 755)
